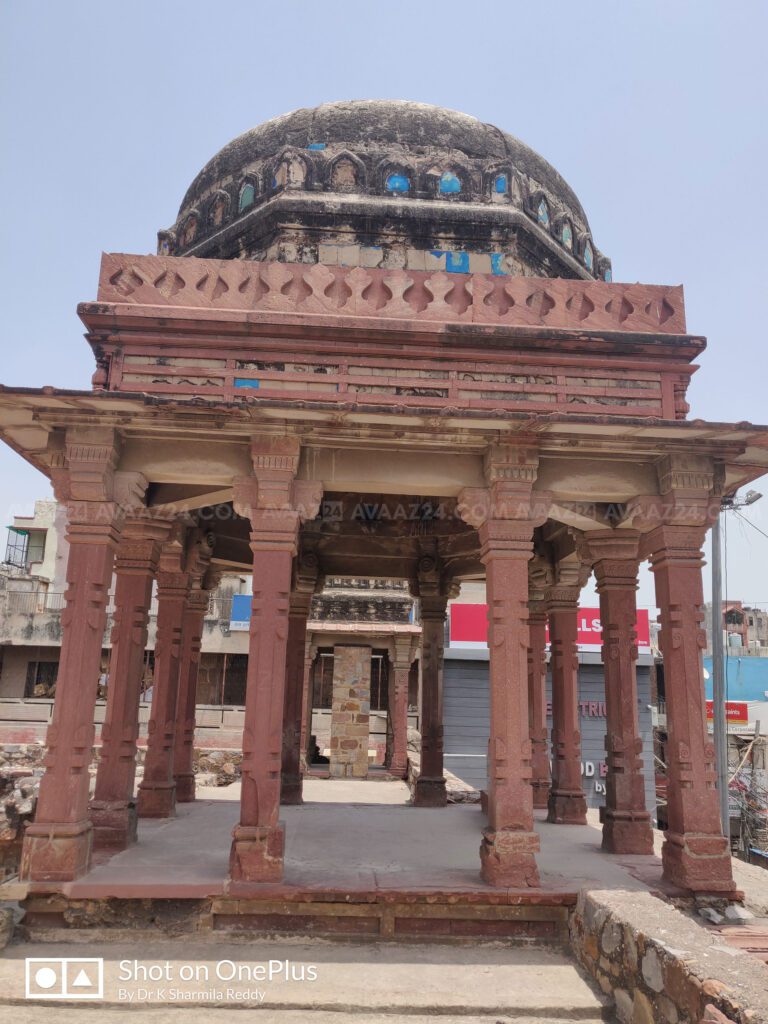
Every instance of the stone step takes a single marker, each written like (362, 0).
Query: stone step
(391, 983)
(33, 1014)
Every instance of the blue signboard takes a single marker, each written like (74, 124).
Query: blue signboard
(240, 616)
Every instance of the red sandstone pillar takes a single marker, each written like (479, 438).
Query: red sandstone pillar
(567, 803)
(57, 845)
(695, 854)
(430, 785)
(291, 783)
(537, 701)
(113, 809)
(306, 704)
(189, 667)
(157, 790)
(397, 762)
(626, 822)
(509, 845)
(275, 503)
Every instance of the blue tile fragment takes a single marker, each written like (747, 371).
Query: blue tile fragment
(247, 382)
(457, 262)
(497, 266)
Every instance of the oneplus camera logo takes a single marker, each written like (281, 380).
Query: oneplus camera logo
(64, 977)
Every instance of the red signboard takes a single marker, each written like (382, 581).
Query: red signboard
(469, 624)
(736, 711)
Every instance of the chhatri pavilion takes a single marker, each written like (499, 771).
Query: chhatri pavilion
(383, 305)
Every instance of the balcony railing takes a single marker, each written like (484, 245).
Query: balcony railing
(34, 603)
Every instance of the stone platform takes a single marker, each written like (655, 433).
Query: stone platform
(359, 862)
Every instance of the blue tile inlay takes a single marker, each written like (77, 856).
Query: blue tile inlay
(457, 262)
(316, 145)
(496, 264)
(246, 382)
(398, 183)
(500, 184)
(449, 182)
(247, 197)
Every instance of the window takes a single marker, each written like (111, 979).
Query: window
(322, 680)
(542, 213)
(24, 547)
(379, 682)
(449, 183)
(247, 196)
(398, 183)
(41, 679)
(500, 184)
(16, 549)
(567, 235)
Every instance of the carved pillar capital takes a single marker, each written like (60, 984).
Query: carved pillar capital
(614, 556)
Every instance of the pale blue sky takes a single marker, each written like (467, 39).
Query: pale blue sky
(653, 111)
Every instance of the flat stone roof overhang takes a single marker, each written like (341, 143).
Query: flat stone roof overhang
(214, 329)
(29, 415)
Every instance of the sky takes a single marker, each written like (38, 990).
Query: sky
(654, 112)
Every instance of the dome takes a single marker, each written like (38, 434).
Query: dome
(384, 151)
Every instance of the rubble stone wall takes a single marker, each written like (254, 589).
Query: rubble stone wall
(660, 965)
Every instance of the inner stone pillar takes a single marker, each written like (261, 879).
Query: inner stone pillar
(310, 650)
(57, 845)
(626, 822)
(113, 809)
(189, 669)
(350, 714)
(399, 672)
(537, 701)
(567, 803)
(430, 785)
(157, 789)
(695, 854)
(295, 679)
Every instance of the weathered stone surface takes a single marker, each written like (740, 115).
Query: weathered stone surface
(350, 712)
(674, 968)
(7, 923)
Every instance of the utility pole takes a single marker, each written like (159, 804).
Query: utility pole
(719, 718)
(718, 679)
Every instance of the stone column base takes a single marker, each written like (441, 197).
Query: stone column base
(157, 800)
(398, 769)
(185, 787)
(627, 832)
(540, 795)
(698, 862)
(507, 859)
(430, 793)
(56, 852)
(115, 824)
(567, 808)
(257, 853)
(291, 789)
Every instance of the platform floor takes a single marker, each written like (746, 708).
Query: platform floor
(354, 837)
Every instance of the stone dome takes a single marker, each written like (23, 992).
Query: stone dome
(384, 151)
